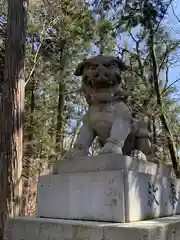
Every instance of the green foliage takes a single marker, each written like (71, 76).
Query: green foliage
(67, 32)
(61, 34)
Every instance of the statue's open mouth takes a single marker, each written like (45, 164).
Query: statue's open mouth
(100, 82)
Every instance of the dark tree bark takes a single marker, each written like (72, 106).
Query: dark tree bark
(60, 106)
(101, 34)
(29, 147)
(162, 116)
(154, 130)
(59, 125)
(12, 107)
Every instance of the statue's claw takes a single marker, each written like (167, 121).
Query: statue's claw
(110, 147)
(138, 155)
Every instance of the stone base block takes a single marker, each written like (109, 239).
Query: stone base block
(54, 229)
(150, 196)
(114, 196)
(109, 162)
(96, 196)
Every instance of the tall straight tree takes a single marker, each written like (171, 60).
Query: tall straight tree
(12, 107)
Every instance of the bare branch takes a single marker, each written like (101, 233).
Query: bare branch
(175, 14)
(141, 67)
(166, 53)
(177, 80)
(167, 74)
(168, 5)
(50, 25)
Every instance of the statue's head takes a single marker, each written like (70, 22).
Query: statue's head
(101, 72)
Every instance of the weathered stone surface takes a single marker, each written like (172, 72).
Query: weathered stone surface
(87, 196)
(108, 162)
(108, 117)
(109, 195)
(175, 194)
(29, 228)
(167, 228)
(150, 196)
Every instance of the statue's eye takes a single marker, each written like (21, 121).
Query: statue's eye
(110, 65)
(91, 66)
(106, 65)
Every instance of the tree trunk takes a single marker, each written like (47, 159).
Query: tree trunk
(12, 107)
(60, 107)
(101, 34)
(59, 126)
(29, 146)
(154, 130)
(162, 116)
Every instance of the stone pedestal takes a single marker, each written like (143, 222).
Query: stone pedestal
(115, 192)
(109, 162)
(57, 229)
(110, 188)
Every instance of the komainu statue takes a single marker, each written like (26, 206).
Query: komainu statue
(108, 117)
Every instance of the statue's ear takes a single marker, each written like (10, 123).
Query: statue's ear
(121, 64)
(79, 69)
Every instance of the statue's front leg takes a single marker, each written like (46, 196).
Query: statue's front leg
(83, 142)
(119, 132)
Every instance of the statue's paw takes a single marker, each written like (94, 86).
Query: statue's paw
(110, 148)
(138, 155)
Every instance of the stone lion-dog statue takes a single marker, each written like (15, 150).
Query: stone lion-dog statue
(108, 117)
